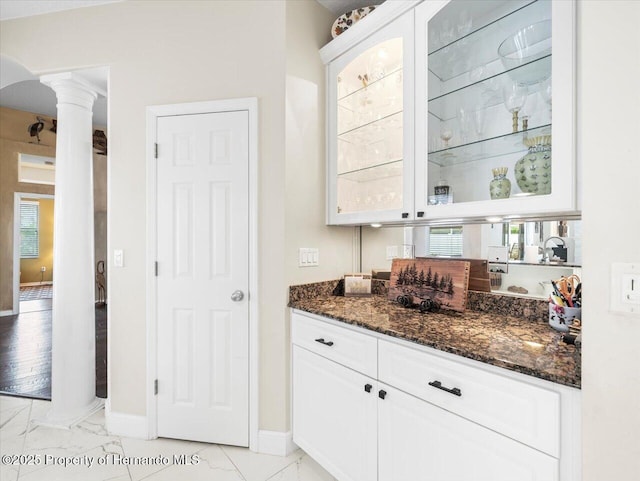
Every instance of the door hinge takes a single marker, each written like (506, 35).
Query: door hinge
(155, 387)
(155, 268)
(156, 151)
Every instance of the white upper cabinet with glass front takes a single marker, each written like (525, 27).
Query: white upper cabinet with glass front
(495, 109)
(460, 109)
(370, 151)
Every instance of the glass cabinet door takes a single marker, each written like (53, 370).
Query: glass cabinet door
(369, 147)
(497, 121)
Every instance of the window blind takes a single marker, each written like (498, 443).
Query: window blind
(445, 241)
(29, 235)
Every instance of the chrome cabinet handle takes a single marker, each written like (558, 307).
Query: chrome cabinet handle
(237, 296)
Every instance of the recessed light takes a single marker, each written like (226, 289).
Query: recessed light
(494, 220)
(376, 225)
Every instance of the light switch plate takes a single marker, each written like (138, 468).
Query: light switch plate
(308, 257)
(625, 287)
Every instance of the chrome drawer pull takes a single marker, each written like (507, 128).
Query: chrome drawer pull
(322, 341)
(437, 384)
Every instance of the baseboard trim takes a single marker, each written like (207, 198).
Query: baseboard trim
(30, 284)
(276, 443)
(7, 313)
(122, 424)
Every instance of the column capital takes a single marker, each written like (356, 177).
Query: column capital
(73, 89)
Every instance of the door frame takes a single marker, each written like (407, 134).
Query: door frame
(17, 197)
(249, 105)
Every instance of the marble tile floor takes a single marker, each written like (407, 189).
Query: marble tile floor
(89, 445)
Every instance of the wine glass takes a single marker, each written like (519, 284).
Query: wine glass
(464, 123)
(480, 113)
(445, 134)
(514, 96)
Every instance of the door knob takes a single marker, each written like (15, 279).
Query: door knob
(237, 296)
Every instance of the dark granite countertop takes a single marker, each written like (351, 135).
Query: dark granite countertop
(519, 344)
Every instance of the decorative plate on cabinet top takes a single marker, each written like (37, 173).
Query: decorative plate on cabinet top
(347, 20)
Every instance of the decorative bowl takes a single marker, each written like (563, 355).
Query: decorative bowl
(526, 45)
(347, 20)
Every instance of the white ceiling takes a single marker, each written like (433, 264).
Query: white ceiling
(27, 8)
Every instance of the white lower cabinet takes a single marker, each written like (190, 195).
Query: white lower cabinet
(399, 426)
(334, 417)
(420, 441)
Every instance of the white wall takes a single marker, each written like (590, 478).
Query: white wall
(609, 124)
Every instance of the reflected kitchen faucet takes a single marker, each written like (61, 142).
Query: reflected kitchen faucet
(545, 253)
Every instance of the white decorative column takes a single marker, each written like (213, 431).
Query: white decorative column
(73, 343)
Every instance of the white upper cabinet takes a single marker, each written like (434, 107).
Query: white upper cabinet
(455, 110)
(495, 109)
(371, 128)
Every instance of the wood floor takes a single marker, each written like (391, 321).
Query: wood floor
(25, 351)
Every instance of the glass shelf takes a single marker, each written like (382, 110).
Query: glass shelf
(371, 111)
(371, 67)
(488, 92)
(373, 131)
(477, 52)
(347, 99)
(374, 172)
(488, 148)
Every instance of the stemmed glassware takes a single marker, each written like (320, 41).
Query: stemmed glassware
(445, 134)
(514, 96)
(480, 113)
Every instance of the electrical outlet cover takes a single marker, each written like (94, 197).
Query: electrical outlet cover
(625, 288)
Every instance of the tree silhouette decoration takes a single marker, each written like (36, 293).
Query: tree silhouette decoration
(410, 277)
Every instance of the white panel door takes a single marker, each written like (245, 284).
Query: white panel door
(203, 246)
(420, 441)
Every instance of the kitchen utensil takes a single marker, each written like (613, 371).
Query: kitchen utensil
(567, 287)
(557, 300)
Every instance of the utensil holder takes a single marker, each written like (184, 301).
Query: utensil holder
(561, 317)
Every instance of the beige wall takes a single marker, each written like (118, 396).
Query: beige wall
(308, 29)
(609, 125)
(162, 52)
(15, 139)
(30, 268)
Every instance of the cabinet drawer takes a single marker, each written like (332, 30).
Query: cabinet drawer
(521, 411)
(352, 349)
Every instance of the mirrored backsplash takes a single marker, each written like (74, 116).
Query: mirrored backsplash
(535, 252)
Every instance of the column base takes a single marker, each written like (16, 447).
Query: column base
(52, 420)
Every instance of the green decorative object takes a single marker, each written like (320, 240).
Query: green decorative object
(500, 186)
(533, 171)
